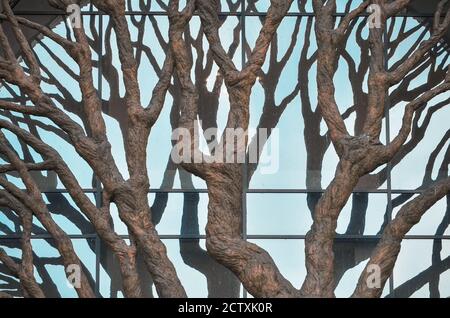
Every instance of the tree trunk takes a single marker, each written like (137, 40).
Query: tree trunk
(251, 264)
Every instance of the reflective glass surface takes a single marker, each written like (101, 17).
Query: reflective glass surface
(279, 196)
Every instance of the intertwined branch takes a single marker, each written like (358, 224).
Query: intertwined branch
(359, 155)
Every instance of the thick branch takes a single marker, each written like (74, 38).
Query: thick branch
(33, 200)
(387, 250)
(98, 218)
(27, 52)
(327, 59)
(25, 271)
(46, 165)
(439, 30)
(348, 19)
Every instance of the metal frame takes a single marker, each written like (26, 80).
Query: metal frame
(97, 191)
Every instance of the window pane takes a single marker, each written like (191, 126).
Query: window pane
(350, 257)
(290, 214)
(150, 34)
(435, 221)
(300, 152)
(49, 270)
(423, 269)
(278, 214)
(426, 150)
(288, 255)
(64, 213)
(173, 214)
(60, 82)
(363, 214)
(8, 282)
(200, 275)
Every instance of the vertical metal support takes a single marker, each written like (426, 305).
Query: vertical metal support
(98, 186)
(388, 140)
(245, 167)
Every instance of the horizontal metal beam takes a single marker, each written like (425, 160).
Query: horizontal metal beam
(253, 191)
(221, 14)
(342, 237)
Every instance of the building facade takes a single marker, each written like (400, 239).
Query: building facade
(297, 164)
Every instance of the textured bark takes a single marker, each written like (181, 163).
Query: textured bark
(24, 271)
(98, 217)
(361, 154)
(29, 285)
(358, 155)
(129, 195)
(387, 250)
(5, 295)
(35, 203)
(27, 271)
(251, 264)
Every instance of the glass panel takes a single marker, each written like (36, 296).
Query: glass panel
(426, 151)
(363, 214)
(423, 269)
(64, 213)
(110, 284)
(8, 282)
(278, 214)
(183, 214)
(49, 270)
(274, 103)
(291, 107)
(150, 34)
(288, 255)
(351, 255)
(200, 275)
(60, 82)
(290, 214)
(434, 222)
(9, 223)
(351, 259)
(174, 214)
